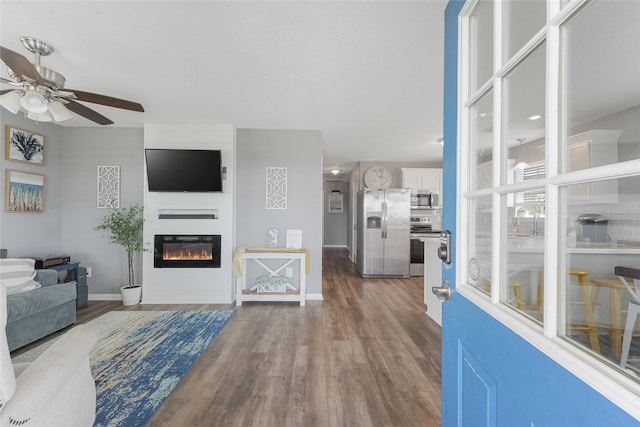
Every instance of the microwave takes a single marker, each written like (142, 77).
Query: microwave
(424, 199)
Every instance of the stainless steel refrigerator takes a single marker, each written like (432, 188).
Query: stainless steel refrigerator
(383, 246)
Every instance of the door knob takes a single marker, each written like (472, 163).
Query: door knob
(443, 292)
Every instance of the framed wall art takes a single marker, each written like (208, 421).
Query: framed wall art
(24, 191)
(336, 200)
(108, 187)
(22, 145)
(276, 188)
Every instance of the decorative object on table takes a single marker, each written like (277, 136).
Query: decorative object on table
(271, 283)
(22, 145)
(294, 239)
(125, 226)
(142, 356)
(24, 191)
(40, 94)
(276, 188)
(378, 177)
(108, 187)
(336, 200)
(272, 237)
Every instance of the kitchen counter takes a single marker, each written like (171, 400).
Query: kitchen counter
(432, 277)
(535, 244)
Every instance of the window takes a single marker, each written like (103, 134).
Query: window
(550, 132)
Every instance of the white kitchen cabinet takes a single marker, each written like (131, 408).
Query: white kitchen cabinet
(588, 150)
(422, 179)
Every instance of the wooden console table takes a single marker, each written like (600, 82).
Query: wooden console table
(258, 255)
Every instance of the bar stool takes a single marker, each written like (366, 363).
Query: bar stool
(590, 324)
(633, 310)
(615, 310)
(517, 292)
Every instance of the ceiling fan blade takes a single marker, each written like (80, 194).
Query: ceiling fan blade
(106, 100)
(19, 64)
(86, 112)
(2, 92)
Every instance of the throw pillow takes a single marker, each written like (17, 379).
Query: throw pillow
(16, 274)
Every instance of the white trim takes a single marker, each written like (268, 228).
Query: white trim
(314, 297)
(609, 382)
(612, 171)
(104, 297)
(599, 373)
(462, 161)
(118, 297)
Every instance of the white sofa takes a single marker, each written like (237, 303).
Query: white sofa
(56, 389)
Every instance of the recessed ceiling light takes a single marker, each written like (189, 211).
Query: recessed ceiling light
(535, 117)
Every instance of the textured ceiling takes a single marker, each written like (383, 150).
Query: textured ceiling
(367, 74)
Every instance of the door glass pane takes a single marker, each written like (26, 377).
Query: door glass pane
(601, 74)
(600, 233)
(524, 114)
(479, 244)
(481, 140)
(523, 19)
(524, 255)
(481, 45)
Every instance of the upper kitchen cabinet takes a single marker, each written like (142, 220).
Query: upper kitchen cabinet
(587, 150)
(422, 179)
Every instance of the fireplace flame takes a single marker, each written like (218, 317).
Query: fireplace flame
(186, 254)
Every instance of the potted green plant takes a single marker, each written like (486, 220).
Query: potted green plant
(125, 226)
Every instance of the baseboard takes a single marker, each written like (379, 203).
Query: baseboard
(118, 297)
(105, 297)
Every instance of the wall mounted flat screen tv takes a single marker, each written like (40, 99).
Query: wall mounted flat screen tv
(197, 171)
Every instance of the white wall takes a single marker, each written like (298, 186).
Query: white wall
(191, 285)
(300, 151)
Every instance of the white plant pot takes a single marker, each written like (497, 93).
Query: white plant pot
(131, 296)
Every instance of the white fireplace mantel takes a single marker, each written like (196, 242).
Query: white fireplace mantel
(191, 213)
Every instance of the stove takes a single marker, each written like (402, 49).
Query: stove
(420, 228)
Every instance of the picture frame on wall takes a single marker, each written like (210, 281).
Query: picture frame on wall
(336, 202)
(24, 192)
(24, 146)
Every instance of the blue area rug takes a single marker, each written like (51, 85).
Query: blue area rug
(141, 357)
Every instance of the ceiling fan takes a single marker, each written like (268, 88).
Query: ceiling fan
(40, 91)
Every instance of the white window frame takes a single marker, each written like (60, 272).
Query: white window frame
(610, 382)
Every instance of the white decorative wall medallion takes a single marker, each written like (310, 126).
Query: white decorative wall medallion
(276, 188)
(108, 187)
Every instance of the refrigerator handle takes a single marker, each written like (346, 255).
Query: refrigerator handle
(384, 220)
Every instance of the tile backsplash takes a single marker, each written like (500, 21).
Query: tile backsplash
(624, 218)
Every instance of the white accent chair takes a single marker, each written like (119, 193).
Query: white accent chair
(633, 310)
(56, 389)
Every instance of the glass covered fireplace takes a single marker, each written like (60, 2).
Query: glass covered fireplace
(186, 251)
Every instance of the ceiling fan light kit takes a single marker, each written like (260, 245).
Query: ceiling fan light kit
(33, 102)
(59, 111)
(40, 117)
(40, 92)
(11, 101)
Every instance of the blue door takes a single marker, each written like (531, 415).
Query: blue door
(490, 375)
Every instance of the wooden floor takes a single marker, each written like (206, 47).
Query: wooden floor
(365, 356)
